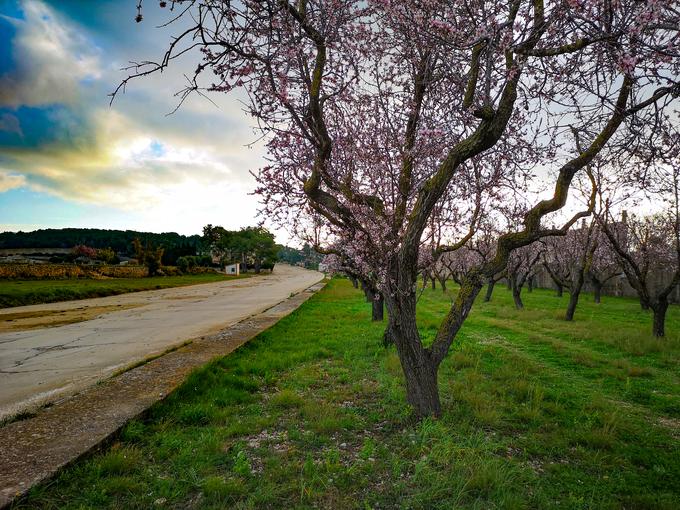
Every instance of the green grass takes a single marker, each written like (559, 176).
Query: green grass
(538, 413)
(30, 292)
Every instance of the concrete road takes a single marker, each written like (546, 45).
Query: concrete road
(41, 365)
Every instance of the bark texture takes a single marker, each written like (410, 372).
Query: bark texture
(597, 292)
(574, 295)
(659, 324)
(420, 370)
(378, 308)
(489, 290)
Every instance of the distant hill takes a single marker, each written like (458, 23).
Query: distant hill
(119, 240)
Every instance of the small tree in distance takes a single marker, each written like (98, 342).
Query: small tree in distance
(148, 255)
(521, 267)
(604, 265)
(583, 242)
(649, 253)
(558, 261)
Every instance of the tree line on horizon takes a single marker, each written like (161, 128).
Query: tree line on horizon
(120, 241)
(243, 244)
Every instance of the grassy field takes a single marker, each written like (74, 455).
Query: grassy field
(538, 413)
(29, 292)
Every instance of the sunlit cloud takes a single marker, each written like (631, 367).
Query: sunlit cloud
(120, 166)
(162, 173)
(11, 181)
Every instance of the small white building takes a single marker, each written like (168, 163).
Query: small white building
(233, 269)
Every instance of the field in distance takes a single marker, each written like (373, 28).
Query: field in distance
(29, 292)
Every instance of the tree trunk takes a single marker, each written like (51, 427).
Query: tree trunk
(508, 282)
(517, 295)
(644, 304)
(422, 390)
(573, 299)
(434, 283)
(597, 292)
(530, 284)
(489, 290)
(560, 289)
(388, 336)
(355, 282)
(442, 283)
(378, 307)
(420, 371)
(368, 292)
(659, 325)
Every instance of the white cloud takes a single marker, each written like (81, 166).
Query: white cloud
(50, 58)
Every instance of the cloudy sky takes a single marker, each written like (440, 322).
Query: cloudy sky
(67, 158)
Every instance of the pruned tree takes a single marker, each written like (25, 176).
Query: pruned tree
(604, 265)
(558, 261)
(377, 111)
(648, 249)
(647, 246)
(522, 265)
(484, 246)
(583, 245)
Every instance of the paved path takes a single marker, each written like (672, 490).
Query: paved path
(41, 365)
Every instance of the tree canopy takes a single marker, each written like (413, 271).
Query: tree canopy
(252, 246)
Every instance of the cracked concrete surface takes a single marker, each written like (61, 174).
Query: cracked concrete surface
(41, 365)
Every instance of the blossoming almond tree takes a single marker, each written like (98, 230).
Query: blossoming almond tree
(558, 261)
(583, 245)
(648, 247)
(376, 111)
(522, 265)
(649, 252)
(604, 265)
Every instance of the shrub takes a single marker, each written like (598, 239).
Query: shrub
(108, 256)
(188, 262)
(64, 271)
(183, 264)
(81, 250)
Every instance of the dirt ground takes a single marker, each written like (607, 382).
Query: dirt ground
(23, 321)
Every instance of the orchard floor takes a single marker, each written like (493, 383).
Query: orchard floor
(538, 413)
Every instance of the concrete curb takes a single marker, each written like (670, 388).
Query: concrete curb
(35, 449)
